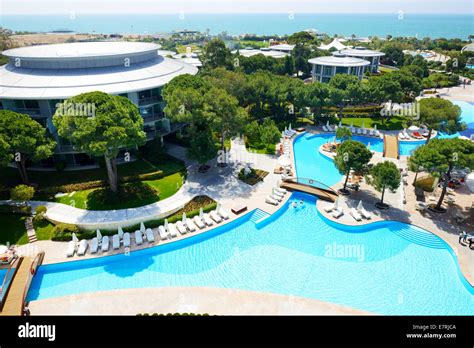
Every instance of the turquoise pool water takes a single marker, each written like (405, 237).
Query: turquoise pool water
(386, 268)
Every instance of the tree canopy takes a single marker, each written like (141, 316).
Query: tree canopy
(114, 124)
(441, 156)
(351, 155)
(22, 139)
(384, 175)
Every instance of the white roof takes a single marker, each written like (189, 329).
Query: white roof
(362, 52)
(338, 61)
(266, 53)
(191, 60)
(282, 47)
(334, 44)
(149, 71)
(81, 50)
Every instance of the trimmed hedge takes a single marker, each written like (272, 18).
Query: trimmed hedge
(63, 232)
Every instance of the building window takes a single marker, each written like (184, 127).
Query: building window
(341, 70)
(318, 69)
(327, 71)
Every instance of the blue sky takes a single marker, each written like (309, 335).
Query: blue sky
(46, 7)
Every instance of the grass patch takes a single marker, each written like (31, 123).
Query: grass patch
(44, 229)
(128, 195)
(394, 123)
(13, 229)
(254, 177)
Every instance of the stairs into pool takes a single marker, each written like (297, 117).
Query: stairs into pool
(425, 239)
(258, 215)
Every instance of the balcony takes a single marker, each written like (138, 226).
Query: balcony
(150, 101)
(152, 118)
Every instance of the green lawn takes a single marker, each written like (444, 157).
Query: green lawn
(394, 123)
(251, 43)
(12, 229)
(44, 229)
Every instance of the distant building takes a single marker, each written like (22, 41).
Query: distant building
(363, 53)
(283, 48)
(324, 68)
(267, 52)
(189, 58)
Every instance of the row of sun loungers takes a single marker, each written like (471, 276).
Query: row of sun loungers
(355, 130)
(357, 213)
(276, 196)
(166, 231)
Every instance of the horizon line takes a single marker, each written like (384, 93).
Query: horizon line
(246, 13)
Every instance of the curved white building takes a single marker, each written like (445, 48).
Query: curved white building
(38, 77)
(324, 68)
(363, 53)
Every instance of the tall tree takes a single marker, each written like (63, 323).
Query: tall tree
(343, 133)
(115, 123)
(351, 155)
(23, 139)
(384, 175)
(216, 54)
(202, 147)
(440, 115)
(441, 156)
(226, 116)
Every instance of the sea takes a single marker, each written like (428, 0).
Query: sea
(361, 25)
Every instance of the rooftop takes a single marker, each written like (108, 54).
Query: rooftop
(42, 75)
(339, 61)
(362, 52)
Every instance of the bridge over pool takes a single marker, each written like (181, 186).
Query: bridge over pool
(310, 186)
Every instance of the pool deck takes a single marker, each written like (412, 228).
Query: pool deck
(213, 301)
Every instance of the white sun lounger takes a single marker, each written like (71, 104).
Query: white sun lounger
(115, 241)
(71, 249)
(376, 133)
(94, 245)
(181, 228)
(337, 213)
(207, 219)
(138, 237)
(198, 221)
(126, 240)
(364, 131)
(270, 200)
(190, 225)
(282, 190)
(275, 197)
(365, 214)
(330, 208)
(277, 193)
(149, 235)
(172, 230)
(163, 233)
(83, 245)
(214, 216)
(325, 129)
(355, 214)
(371, 132)
(223, 213)
(359, 130)
(105, 244)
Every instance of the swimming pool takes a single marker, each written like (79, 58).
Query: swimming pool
(387, 267)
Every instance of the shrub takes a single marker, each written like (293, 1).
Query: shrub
(39, 213)
(22, 193)
(63, 232)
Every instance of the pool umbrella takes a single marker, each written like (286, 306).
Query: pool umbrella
(142, 227)
(336, 203)
(360, 206)
(74, 238)
(99, 235)
(327, 123)
(368, 146)
(218, 208)
(413, 128)
(363, 125)
(375, 126)
(352, 124)
(282, 134)
(201, 213)
(184, 218)
(340, 123)
(289, 127)
(166, 224)
(120, 232)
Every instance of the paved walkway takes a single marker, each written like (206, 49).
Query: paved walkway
(213, 301)
(219, 183)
